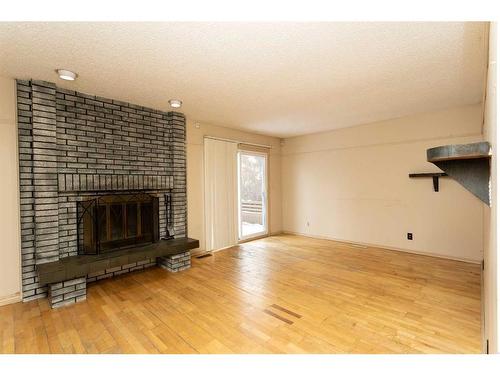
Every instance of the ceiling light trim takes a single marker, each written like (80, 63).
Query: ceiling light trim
(66, 74)
(175, 103)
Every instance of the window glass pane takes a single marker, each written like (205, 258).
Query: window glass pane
(252, 194)
(116, 217)
(146, 219)
(131, 219)
(102, 223)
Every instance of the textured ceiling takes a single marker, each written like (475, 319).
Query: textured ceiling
(281, 79)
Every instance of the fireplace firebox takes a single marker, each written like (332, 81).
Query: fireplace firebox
(111, 222)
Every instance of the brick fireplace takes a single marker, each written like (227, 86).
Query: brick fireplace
(76, 148)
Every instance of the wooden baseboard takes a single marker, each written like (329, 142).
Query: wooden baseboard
(13, 298)
(466, 260)
(200, 251)
(253, 238)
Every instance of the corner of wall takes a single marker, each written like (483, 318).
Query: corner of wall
(10, 255)
(491, 289)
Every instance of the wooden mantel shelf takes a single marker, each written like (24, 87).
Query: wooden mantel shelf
(81, 265)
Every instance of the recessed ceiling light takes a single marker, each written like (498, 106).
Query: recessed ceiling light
(175, 103)
(67, 75)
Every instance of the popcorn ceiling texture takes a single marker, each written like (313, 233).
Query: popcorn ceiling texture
(73, 146)
(277, 78)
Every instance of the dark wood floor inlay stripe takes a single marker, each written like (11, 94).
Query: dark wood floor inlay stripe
(278, 307)
(269, 312)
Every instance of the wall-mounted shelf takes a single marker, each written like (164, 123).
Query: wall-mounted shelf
(434, 176)
(468, 164)
(476, 150)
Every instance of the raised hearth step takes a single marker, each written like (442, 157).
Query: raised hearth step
(78, 266)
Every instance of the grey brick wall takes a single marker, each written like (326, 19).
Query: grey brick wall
(73, 146)
(31, 287)
(176, 263)
(67, 292)
(45, 171)
(110, 272)
(179, 198)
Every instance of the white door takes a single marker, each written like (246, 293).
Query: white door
(252, 194)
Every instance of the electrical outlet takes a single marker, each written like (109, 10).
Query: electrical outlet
(409, 236)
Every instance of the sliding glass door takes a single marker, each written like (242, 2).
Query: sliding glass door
(252, 194)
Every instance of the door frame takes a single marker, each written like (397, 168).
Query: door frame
(264, 233)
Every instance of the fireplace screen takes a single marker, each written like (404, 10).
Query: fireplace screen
(117, 221)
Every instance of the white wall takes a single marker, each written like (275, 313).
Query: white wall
(490, 278)
(352, 184)
(10, 250)
(195, 189)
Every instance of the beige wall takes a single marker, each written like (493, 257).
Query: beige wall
(10, 251)
(352, 184)
(490, 278)
(195, 192)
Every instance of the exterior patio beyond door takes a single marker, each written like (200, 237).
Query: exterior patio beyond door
(252, 194)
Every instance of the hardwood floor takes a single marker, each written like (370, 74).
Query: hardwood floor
(282, 294)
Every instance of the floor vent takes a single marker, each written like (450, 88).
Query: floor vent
(204, 255)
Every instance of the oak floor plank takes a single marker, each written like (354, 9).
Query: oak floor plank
(281, 294)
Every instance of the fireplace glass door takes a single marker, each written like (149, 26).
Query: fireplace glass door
(117, 221)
